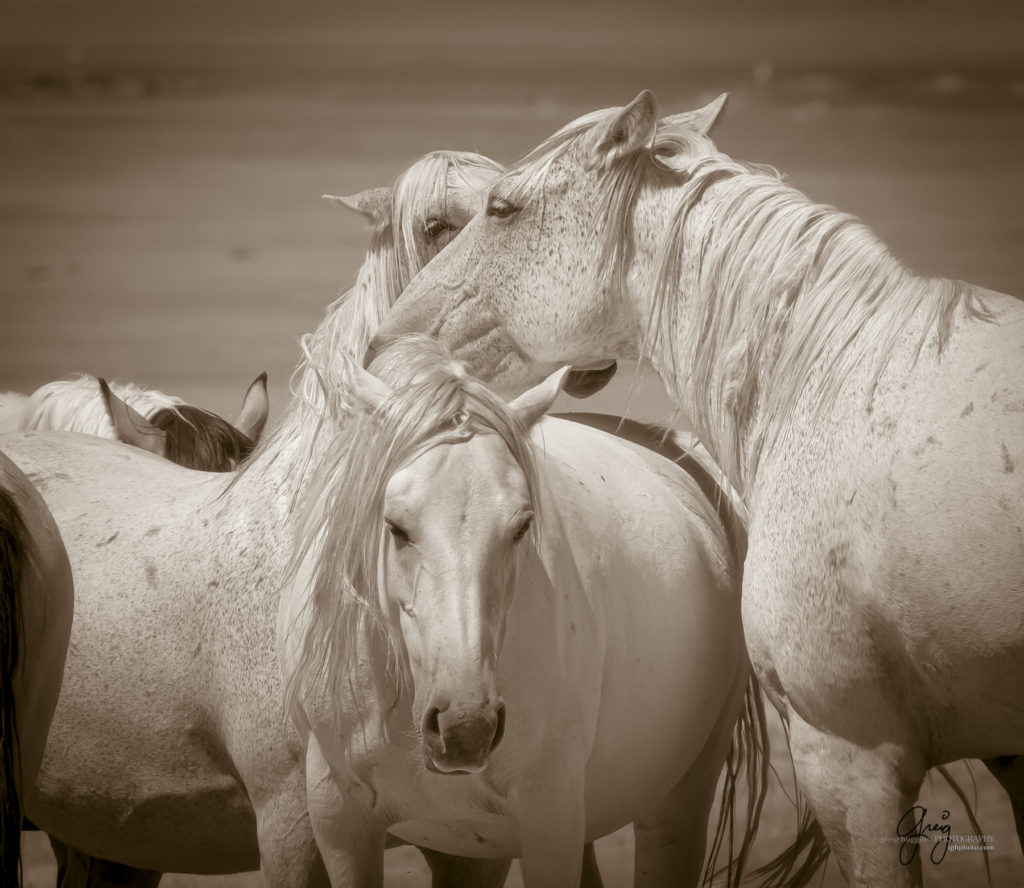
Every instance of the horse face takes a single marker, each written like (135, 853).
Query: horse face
(522, 290)
(454, 517)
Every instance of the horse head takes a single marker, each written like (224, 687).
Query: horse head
(190, 436)
(432, 497)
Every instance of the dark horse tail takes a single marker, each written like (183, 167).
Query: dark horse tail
(14, 558)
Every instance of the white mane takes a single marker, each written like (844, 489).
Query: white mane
(76, 405)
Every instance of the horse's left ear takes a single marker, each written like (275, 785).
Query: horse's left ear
(255, 408)
(131, 426)
(532, 404)
(632, 128)
(374, 203)
(703, 119)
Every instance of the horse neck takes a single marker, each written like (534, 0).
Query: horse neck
(739, 256)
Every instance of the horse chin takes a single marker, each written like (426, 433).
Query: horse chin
(584, 383)
(438, 765)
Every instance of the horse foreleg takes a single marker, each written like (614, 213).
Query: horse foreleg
(670, 838)
(861, 795)
(551, 819)
(289, 855)
(351, 844)
(464, 872)
(1009, 771)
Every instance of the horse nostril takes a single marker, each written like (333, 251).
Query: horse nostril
(499, 730)
(431, 727)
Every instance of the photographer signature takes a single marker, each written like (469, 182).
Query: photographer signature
(913, 827)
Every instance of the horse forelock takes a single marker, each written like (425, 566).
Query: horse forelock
(340, 536)
(198, 439)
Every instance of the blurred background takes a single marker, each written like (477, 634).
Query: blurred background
(162, 163)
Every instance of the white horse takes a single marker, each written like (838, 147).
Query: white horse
(162, 424)
(36, 606)
(870, 418)
(427, 606)
(168, 427)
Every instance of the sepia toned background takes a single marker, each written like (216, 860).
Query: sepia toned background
(161, 165)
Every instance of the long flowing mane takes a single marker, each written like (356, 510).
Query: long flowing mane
(787, 290)
(341, 529)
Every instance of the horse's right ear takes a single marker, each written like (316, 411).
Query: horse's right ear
(702, 119)
(374, 203)
(632, 128)
(255, 409)
(130, 426)
(532, 404)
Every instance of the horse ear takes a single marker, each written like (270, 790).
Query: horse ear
(130, 426)
(703, 119)
(532, 404)
(255, 408)
(368, 389)
(374, 203)
(632, 128)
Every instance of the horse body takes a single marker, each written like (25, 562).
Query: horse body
(870, 419)
(144, 559)
(619, 619)
(36, 582)
(615, 645)
(911, 509)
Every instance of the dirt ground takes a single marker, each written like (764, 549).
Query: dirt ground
(162, 164)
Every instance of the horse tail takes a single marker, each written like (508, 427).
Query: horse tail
(748, 762)
(14, 557)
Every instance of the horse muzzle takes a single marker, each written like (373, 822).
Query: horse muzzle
(461, 741)
(584, 383)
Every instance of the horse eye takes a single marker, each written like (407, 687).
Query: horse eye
(524, 528)
(500, 208)
(400, 537)
(435, 227)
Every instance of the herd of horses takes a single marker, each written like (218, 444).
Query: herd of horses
(422, 611)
